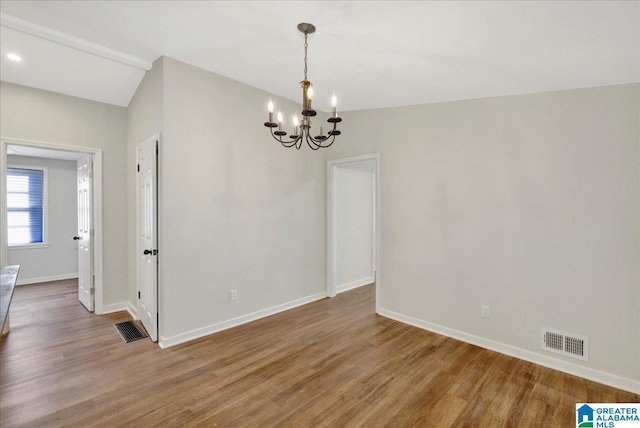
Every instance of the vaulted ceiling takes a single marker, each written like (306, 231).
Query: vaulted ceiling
(372, 54)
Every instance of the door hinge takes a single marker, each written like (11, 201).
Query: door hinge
(93, 291)
(91, 232)
(138, 167)
(138, 295)
(93, 280)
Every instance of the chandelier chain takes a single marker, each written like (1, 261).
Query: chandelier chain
(305, 56)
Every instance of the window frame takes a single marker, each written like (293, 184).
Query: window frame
(45, 207)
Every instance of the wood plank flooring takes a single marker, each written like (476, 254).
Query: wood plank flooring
(330, 363)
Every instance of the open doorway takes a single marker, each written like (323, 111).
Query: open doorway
(353, 228)
(15, 152)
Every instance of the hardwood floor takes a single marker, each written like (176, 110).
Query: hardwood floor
(329, 363)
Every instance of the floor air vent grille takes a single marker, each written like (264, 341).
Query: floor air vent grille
(130, 331)
(567, 344)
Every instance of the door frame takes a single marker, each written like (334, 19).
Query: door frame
(97, 206)
(332, 166)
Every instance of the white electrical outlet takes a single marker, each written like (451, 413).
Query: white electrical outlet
(233, 294)
(484, 311)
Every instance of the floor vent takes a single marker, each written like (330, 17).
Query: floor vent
(130, 331)
(567, 344)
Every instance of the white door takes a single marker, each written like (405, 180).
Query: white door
(147, 156)
(85, 233)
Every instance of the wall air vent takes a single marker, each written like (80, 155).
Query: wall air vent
(567, 344)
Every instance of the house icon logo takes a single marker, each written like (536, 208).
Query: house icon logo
(585, 416)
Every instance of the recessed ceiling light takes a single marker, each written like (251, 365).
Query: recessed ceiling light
(14, 57)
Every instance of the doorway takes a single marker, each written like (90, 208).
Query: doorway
(353, 223)
(74, 153)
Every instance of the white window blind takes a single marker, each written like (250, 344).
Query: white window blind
(25, 206)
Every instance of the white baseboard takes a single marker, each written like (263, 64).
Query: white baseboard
(354, 284)
(40, 279)
(133, 311)
(533, 357)
(114, 307)
(166, 342)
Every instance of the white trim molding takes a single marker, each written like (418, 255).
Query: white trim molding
(64, 39)
(332, 287)
(605, 378)
(40, 279)
(114, 307)
(354, 284)
(132, 311)
(97, 206)
(28, 246)
(166, 342)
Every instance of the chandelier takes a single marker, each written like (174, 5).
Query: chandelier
(302, 128)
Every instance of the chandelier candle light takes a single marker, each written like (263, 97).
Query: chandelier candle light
(302, 129)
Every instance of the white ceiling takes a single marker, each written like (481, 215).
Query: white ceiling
(373, 54)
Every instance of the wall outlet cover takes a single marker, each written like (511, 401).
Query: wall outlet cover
(484, 311)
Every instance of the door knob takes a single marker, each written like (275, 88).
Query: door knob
(146, 252)
(76, 238)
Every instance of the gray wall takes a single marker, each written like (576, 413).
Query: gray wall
(238, 211)
(60, 259)
(144, 120)
(528, 204)
(37, 115)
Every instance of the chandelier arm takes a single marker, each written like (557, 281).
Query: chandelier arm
(291, 143)
(313, 147)
(286, 144)
(297, 142)
(278, 139)
(333, 138)
(324, 146)
(311, 142)
(320, 142)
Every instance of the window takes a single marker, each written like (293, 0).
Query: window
(26, 205)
